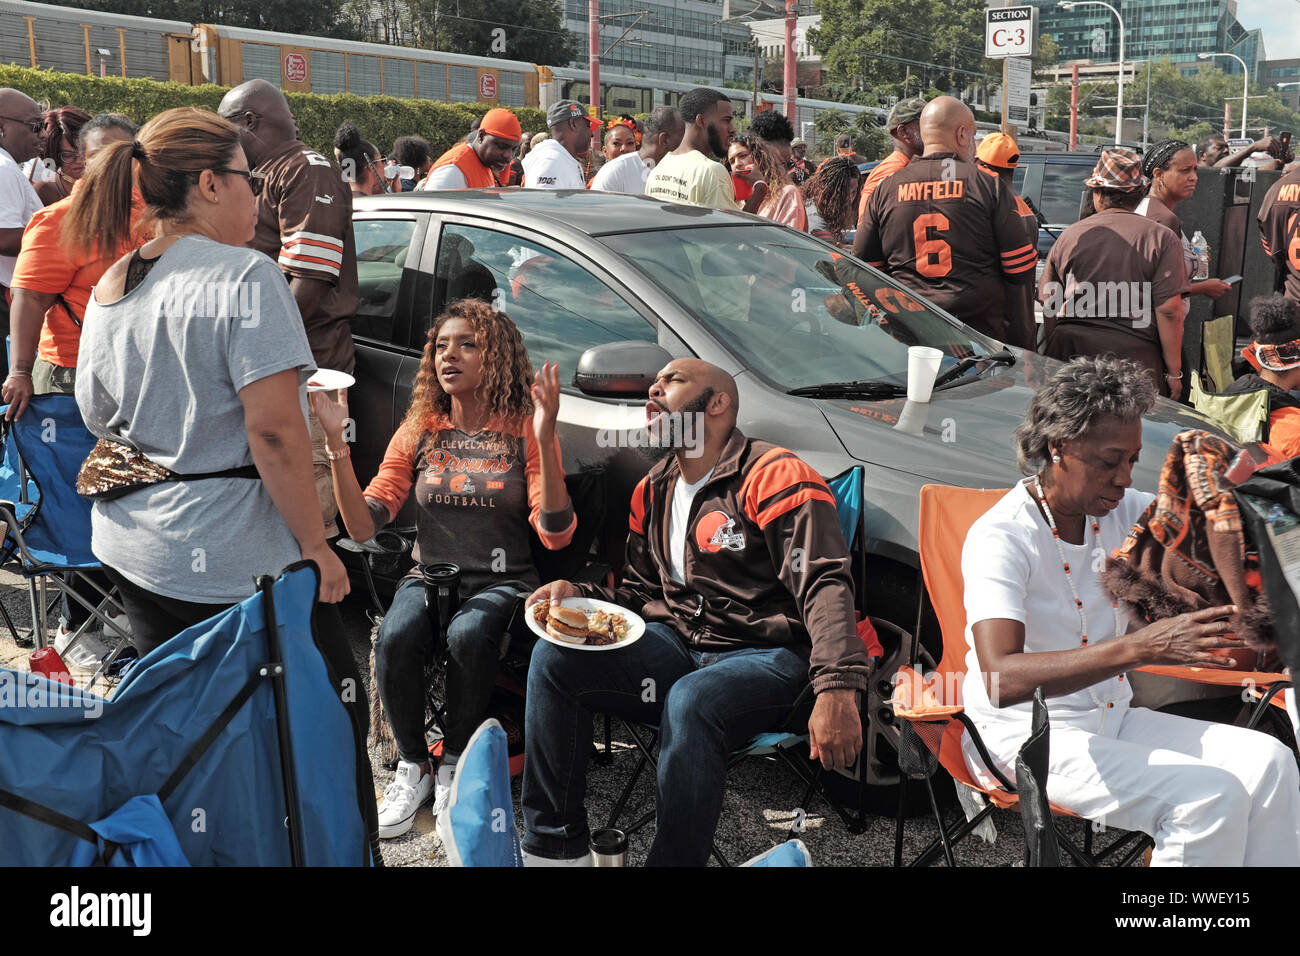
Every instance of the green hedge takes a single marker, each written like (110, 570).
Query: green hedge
(381, 118)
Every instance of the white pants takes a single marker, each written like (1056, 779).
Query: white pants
(1208, 794)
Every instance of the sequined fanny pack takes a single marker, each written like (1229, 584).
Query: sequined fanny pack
(112, 469)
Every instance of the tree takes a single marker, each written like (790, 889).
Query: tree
(1048, 54)
(869, 43)
(319, 18)
(531, 30)
(774, 75)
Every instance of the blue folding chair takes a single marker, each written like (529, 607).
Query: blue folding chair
(848, 490)
(226, 745)
(47, 524)
(478, 827)
(789, 853)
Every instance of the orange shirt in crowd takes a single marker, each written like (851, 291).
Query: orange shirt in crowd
(884, 169)
(1284, 432)
(46, 264)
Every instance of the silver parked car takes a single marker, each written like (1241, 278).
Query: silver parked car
(817, 342)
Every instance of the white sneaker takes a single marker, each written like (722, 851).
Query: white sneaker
(404, 796)
(442, 788)
(86, 653)
(119, 621)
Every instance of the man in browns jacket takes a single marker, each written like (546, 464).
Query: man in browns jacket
(736, 562)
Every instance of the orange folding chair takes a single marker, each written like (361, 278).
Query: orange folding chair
(929, 710)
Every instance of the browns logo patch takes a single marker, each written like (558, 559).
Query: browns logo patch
(716, 531)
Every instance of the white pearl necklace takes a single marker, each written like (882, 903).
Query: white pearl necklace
(1069, 578)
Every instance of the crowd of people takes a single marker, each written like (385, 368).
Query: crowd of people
(231, 462)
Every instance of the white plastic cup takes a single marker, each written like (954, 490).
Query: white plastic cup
(912, 418)
(922, 369)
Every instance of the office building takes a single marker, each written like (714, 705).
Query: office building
(1153, 29)
(681, 40)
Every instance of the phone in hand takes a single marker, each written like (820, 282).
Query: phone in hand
(1232, 280)
(1285, 137)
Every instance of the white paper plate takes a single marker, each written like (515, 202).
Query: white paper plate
(328, 380)
(635, 626)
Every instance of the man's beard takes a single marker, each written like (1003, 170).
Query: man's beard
(716, 144)
(667, 436)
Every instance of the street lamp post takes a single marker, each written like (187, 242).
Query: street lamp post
(1245, 84)
(1119, 106)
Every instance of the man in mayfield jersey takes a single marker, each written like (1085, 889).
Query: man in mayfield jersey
(946, 229)
(474, 164)
(736, 562)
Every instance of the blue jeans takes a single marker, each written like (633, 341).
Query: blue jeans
(706, 705)
(408, 637)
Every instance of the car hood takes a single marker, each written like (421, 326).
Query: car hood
(965, 435)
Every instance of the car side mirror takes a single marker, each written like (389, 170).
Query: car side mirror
(620, 369)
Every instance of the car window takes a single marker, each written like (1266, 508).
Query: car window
(560, 308)
(382, 248)
(1062, 187)
(1018, 179)
(790, 308)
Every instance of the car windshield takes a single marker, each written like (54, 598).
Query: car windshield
(792, 309)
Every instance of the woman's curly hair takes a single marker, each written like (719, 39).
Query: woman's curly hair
(833, 191)
(769, 167)
(1076, 398)
(506, 388)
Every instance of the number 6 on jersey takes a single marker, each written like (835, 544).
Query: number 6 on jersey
(933, 255)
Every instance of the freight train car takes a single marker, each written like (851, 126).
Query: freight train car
(230, 55)
(98, 44)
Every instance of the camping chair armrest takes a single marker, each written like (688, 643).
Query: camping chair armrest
(987, 760)
(384, 542)
(915, 700)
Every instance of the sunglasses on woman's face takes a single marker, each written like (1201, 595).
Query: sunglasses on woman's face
(255, 179)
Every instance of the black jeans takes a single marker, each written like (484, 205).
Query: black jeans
(409, 638)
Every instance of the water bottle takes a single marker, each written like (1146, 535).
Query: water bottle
(1201, 249)
(608, 847)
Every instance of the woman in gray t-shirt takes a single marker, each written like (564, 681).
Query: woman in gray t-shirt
(193, 353)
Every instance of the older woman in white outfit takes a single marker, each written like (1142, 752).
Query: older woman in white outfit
(1209, 794)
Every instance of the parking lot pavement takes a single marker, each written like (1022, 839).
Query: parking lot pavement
(758, 809)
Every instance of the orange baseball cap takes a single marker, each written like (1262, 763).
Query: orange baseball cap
(502, 123)
(1000, 150)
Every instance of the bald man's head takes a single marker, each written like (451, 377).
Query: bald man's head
(948, 126)
(262, 114)
(691, 387)
(21, 128)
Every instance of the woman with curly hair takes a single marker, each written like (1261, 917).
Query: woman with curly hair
(749, 161)
(832, 199)
(478, 450)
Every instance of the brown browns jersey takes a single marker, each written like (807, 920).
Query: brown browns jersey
(943, 227)
(1281, 236)
(304, 222)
